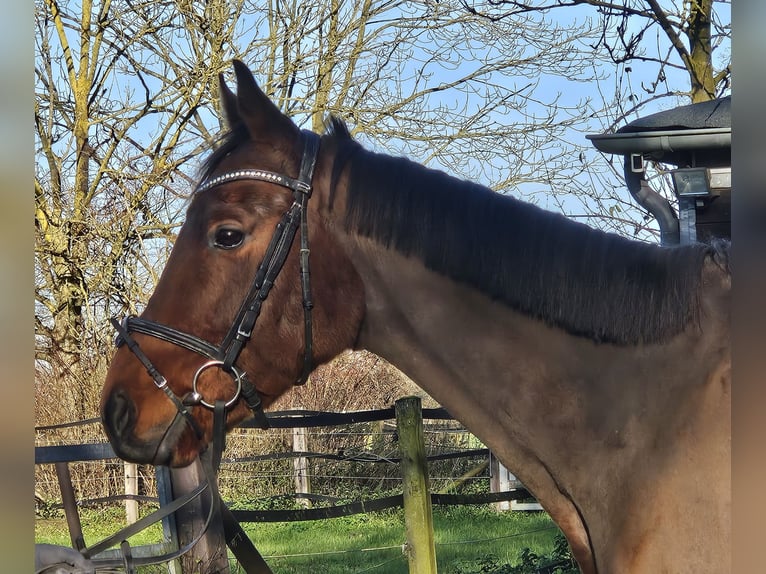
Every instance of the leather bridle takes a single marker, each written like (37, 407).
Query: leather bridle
(225, 355)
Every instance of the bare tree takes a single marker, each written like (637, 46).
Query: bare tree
(119, 114)
(116, 122)
(690, 37)
(126, 100)
(653, 50)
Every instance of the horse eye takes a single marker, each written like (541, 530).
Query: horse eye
(227, 238)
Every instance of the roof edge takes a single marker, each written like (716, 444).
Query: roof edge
(662, 140)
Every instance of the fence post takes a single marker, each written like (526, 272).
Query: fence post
(70, 505)
(301, 467)
(209, 555)
(418, 519)
(499, 481)
(502, 480)
(169, 530)
(131, 487)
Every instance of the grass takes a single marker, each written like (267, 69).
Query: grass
(468, 540)
(464, 536)
(97, 524)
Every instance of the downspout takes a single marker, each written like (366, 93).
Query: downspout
(652, 201)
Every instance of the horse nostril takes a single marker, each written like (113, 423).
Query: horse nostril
(119, 414)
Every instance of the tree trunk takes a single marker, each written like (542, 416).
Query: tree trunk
(701, 73)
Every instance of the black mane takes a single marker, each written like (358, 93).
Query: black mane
(587, 282)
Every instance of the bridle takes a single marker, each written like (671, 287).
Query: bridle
(225, 355)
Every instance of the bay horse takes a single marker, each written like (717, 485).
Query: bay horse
(595, 367)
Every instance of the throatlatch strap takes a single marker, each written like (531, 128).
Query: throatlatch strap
(308, 303)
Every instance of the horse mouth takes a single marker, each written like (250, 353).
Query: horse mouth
(162, 450)
(166, 445)
(142, 452)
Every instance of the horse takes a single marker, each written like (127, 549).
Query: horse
(595, 367)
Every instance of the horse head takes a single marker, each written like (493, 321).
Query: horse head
(228, 321)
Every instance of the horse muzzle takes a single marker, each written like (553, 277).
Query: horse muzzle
(159, 445)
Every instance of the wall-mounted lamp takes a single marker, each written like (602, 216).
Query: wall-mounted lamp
(692, 182)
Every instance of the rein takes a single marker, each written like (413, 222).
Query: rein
(236, 538)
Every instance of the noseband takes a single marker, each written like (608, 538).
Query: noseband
(224, 356)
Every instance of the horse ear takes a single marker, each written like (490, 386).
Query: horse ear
(254, 108)
(229, 104)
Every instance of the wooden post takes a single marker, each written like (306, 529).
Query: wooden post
(499, 481)
(131, 487)
(301, 466)
(169, 530)
(502, 480)
(209, 555)
(70, 505)
(418, 519)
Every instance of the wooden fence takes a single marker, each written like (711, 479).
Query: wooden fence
(415, 498)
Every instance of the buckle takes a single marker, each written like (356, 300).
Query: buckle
(235, 374)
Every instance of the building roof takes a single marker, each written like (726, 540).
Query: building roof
(696, 134)
(704, 115)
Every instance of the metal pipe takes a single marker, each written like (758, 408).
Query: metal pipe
(652, 201)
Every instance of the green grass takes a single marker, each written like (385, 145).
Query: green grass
(468, 540)
(97, 524)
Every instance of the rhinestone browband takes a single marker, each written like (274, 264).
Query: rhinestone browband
(258, 174)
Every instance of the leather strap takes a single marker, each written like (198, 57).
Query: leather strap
(143, 523)
(160, 381)
(241, 545)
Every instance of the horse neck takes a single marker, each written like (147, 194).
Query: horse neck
(550, 404)
(468, 351)
(463, 286)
